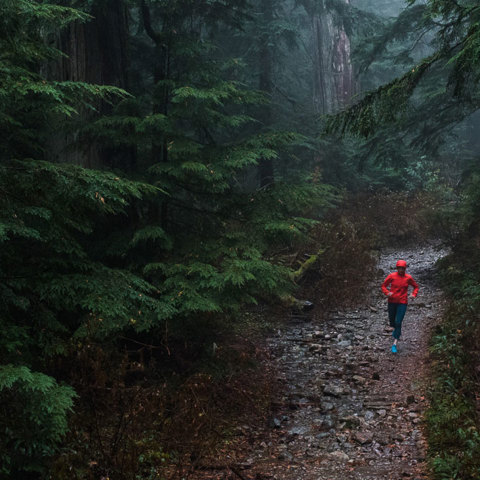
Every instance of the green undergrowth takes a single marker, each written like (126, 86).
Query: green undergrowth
(452, 420)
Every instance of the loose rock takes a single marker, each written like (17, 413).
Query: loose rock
(363, 437)
(328, 362)
(339, 456)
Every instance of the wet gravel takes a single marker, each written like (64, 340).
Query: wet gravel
(347, 407)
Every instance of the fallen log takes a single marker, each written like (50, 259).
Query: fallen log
(306, 266)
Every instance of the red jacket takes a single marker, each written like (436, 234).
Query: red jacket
(399, 287)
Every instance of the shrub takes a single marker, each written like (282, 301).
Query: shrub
(33, 418)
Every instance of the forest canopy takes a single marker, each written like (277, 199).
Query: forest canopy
(161, 161)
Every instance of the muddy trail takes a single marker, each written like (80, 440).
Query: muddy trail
(346, 407)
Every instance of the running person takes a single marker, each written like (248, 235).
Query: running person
(397, 294)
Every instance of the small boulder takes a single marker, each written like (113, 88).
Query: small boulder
(339, 456)
(359, 379)
(333, 390)
(363, 437)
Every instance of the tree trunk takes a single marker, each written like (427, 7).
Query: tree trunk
(96, 53)
(97, 50)
(161, 94)
(334, 83)
(265, 85)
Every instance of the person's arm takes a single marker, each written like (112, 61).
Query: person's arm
(414, 284)
(385, 284)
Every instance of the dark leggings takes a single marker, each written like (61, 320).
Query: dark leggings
(396, 312)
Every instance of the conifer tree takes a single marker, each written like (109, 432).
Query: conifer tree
(212, 230)
(411, 120)
(453, 66)
(52, 289)
(181, 235)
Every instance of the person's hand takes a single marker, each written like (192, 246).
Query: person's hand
(413, 297)
(389, 294)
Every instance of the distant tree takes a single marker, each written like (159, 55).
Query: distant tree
(194, 132)
(266, 47)
(453, 65)
(333, 74)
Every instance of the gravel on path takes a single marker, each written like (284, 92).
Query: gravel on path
(348, 408)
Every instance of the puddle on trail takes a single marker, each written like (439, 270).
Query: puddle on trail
(348, 408)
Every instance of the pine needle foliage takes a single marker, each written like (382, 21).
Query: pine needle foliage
(33, 418)
(50, 284)
(213, 233)
(92, 256)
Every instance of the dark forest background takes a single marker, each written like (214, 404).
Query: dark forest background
(173, 170)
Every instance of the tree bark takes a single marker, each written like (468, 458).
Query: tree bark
(96, 53)
(334, 84)
(97, 50)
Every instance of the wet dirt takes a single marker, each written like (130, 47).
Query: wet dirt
(347, 407)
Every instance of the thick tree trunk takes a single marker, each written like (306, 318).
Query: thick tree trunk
(334, 83)
(96, 53)
(97, 50)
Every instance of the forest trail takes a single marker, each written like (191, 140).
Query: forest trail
(347, 408)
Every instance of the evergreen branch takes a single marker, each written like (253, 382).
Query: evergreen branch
(409, 20)
(380, 107)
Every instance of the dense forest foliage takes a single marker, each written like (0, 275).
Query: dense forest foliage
(163, 163)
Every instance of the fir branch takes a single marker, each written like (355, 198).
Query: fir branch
(383, 105)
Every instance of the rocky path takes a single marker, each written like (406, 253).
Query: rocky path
(347, 407)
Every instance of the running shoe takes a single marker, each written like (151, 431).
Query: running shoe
(394, 349)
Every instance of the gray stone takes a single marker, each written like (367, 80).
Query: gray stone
(327, 406)
(369, 415)
(363, 437)
(339, 456)
(285, 456)
(333, 390)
